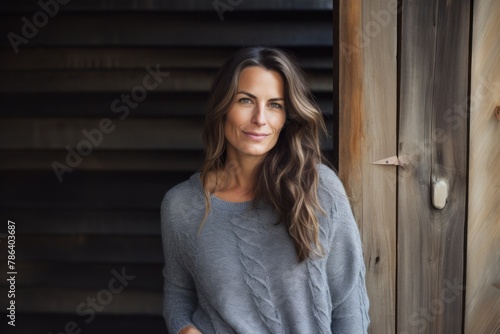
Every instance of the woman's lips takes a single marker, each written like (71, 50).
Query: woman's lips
(256, 136)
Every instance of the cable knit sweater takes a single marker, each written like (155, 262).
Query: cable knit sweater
(240, 274)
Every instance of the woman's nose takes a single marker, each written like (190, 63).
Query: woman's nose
(259, 115)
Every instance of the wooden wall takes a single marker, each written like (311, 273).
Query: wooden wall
(368, 115)
(104, 215)
(404, 74)
(482, 302)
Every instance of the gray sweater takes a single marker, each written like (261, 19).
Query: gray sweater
(240, 273)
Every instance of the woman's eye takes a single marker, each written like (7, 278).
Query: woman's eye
(276, 106)
(245, 100)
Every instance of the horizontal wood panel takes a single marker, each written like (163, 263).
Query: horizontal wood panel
(102, 324)
(159, 5)
(129, 134)
(150, 160)
(148, 277)
(86, 221)
(179, 29)
(61, 58)
(57, 133)
(86, 190)
(54, 300)
(90, 249)
(88, 104)
(127, 81)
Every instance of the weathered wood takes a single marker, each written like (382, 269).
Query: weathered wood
(161, 5)
(119, 160)
(434, 77)
(72, 275)
(90, 249)
(53, 300)
(178, 29)
(62, 58)
(87, 221)
(126, 80)
(130, 133)
(86, 190)
(368, 113)
(102, 323)
(482, 302)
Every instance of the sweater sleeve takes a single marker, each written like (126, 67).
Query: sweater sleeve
(179, 298)
(346, 269)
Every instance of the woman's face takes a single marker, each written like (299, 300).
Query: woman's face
(257, 114)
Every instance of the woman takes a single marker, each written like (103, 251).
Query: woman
(263, 239)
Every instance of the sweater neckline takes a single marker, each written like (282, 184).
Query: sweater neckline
(217, 202)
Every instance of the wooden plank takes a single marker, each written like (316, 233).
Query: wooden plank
(482, 302)
(85, 221)
(102, 324)
(157, 104)
(62, 58)
(434, 77)
(77, 276)
(140, 161)
(127, 134)
(86, 190)
(126, 80)
(54, 300)
(130, 133)
(368, 113)
(83, 249)
(160, 5)
(178, 29)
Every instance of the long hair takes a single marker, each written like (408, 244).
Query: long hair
(288, 174)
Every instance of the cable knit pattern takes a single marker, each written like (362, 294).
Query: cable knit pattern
(239, 274)
(256, 276)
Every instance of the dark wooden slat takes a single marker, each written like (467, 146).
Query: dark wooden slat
(179, 29)
(87, 104)
(147, 160)
(85, 221)
(129, 134)
(434, 78)
(157, 104)
(102, 324)
(62, 58)
(53, 300)
(90, 249)
(57, 133)
(86, 190)
(126, 80)
(148, 277)
(160, 5)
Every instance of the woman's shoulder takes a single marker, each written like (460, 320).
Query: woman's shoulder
(331, 191)
(329, 180)
(182, 193)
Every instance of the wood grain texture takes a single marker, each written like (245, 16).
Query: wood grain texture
(482, 302)
(177, 29)
(368, 114)
(434, 78)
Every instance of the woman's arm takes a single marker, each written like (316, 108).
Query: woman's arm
(345, 267)
(180, 297)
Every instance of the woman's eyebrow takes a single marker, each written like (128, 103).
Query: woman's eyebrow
(255, 97)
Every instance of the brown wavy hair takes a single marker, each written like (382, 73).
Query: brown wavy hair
(288, 174)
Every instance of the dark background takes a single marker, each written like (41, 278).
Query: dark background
(104, 215)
